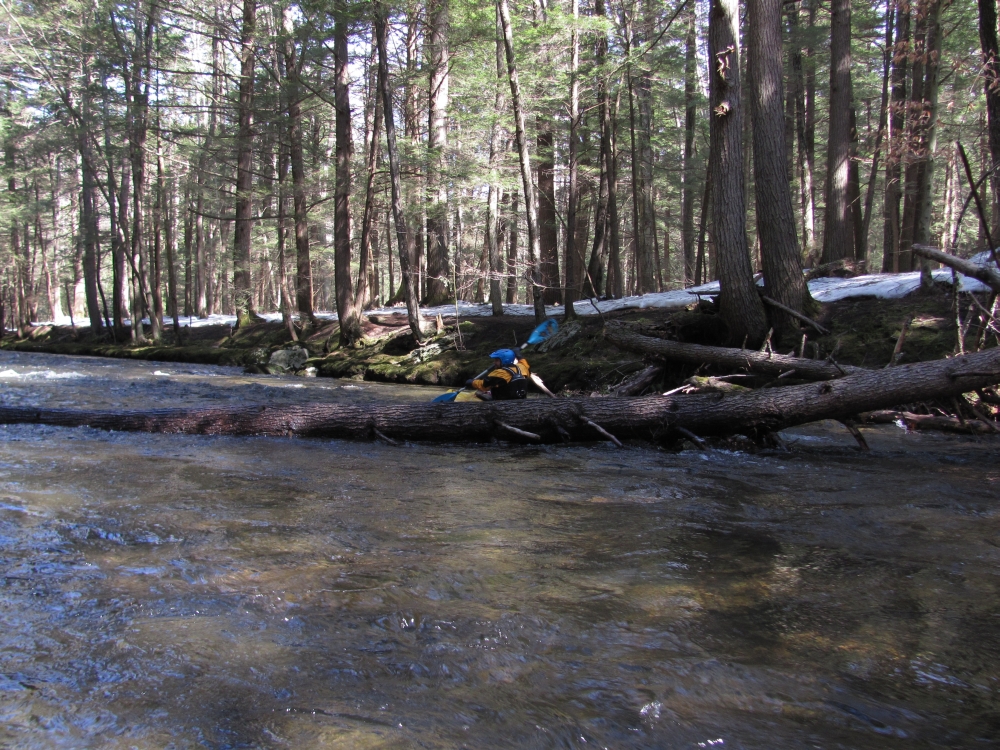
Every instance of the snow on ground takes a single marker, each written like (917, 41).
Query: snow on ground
(829, 289)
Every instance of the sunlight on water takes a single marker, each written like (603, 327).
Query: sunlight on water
(176, 591)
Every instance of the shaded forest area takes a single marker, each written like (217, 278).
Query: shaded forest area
(238, 158)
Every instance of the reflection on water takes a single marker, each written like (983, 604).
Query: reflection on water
(178, 591)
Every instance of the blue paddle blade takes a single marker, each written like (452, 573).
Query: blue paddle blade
(543, 331)
(445, 398)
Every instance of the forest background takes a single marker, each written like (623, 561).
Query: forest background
(184, 159)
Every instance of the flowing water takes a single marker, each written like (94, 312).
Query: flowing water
(188, 591)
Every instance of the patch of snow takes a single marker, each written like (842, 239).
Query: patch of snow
(830, 289)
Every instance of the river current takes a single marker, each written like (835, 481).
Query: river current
(166, 591)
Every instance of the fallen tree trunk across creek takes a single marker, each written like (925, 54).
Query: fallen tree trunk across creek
(553, 420)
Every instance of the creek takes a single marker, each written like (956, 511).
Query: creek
(190, 591)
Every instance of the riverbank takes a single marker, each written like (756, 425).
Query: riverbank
(863, 332)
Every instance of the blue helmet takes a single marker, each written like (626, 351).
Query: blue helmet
(506, 356)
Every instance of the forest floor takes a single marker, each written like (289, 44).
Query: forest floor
(579, 360)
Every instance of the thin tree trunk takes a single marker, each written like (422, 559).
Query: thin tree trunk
(293, 106)
(408, 262)
(897, 143)
(363, 291)
(242, 287)
(531, 203)
(690, 115)
(574, 255)
(838, 235)
(438, 271)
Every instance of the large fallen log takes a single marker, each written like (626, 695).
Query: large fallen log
(551, 420)
(751, 360)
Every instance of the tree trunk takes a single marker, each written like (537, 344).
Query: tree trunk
(364, 291)
(658, 418)
(838, 233)
(293, 107)
(350, 323)
(991, 81)
(739, 303)
(925, 185)
(242, 287)
(783, 279)
(765, 363)
(438, 272)
(530, 200)
(574, 254)
(408, 262)
(690, 114)
(897, 144)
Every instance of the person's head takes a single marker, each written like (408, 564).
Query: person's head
(503, 357)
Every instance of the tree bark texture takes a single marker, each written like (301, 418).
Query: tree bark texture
(746, 359)
(991, 80)
(408, 262)
(896, 146)
(242, 288)
(437, 139)
(293, 106)
(838, 234)
(779, 247)
(645, 418)
(350, 322)
(690, 115)
(740, 306)
(530, 198)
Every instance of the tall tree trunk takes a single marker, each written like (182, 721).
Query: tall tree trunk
(883, 116)
(363, 291)
(347, 313)
(690, 115)
(838, 233)
(408, 262)
(739, 303)
(438, 271)
(925, 186)
(803, 63)
(897, 142)
(531, 203)
(494, 240)
(991, 81)
(574, 253)
(783, 279)
(242, 287)
(293, 106)
(615, 284)
(913, 161)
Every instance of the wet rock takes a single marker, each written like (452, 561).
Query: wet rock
(288, 360)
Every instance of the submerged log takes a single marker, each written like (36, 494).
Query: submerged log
(746, 359)
(552, 420)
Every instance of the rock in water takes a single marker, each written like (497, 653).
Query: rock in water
(288, 360)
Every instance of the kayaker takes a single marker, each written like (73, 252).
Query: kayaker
(507, 380)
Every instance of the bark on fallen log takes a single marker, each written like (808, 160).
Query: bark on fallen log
(747, 359)
(985, 274)
(553, 420)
